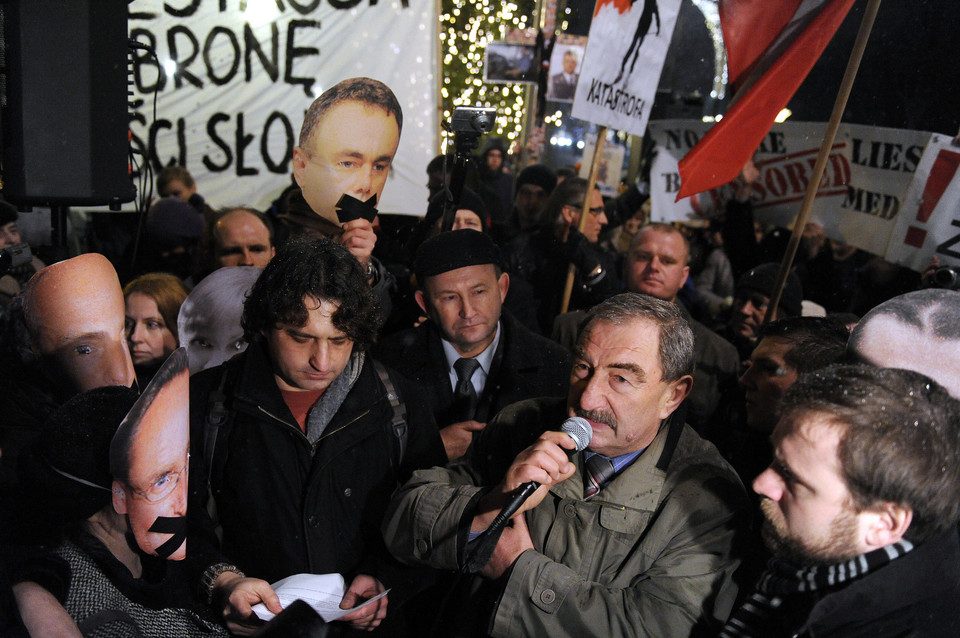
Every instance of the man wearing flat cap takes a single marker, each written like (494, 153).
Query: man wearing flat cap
(471, 357)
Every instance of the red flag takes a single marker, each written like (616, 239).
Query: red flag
(770, 50)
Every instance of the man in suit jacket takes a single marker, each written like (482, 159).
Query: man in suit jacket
(471, 357)
(564, 84)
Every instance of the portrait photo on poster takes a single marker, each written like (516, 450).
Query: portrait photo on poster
(565, 60)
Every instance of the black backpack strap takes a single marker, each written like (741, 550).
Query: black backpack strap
(218, 416)
(399, 421)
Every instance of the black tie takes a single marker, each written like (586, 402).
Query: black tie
(465, 395)
(599, 471)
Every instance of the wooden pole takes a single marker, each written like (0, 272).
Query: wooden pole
(585, 210)
(856, 55)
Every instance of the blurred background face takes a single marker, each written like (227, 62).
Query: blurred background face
(467, 219)
(494, 159)
(765, 381)
(9, 235)
(569, 63)
(596, 217)
(657, 264)
(151, 341)
(176, 188)
(242, 240)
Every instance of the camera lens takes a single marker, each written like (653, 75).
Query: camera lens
(946, 277)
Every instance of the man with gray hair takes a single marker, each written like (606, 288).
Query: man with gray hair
(621, 539)
(917, 331)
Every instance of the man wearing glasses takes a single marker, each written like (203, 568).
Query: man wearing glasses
(543, 255)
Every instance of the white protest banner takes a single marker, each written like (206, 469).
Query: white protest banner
(235, 77)
(866, 178)
(929, 221)
(626, 48)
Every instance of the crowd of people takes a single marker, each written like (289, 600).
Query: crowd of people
(305, 390)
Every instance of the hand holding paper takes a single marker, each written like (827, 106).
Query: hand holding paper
(326, 592)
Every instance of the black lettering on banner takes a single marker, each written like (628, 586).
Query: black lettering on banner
(944, 248)
(143, 59)
(877, 204)
(182, 63)
(671, 182)
(251, 44)
(773, 143)
(208, 45)
(673, 139)
(152, 137)
(346, 4)
(912, 158)
(275, 167)
(243, 141)
(294, 52)
(185, 12)
(216, 139)
(304, 9)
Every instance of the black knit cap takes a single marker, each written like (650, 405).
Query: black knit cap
(8, 213)
(538, 175)
(76, 442)
(763, 279)
(455, 249)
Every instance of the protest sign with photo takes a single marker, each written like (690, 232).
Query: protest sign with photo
(232, 80)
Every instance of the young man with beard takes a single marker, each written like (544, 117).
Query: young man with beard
(633, 536)
(861, 505)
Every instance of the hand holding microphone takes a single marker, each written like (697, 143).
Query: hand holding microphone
(545, 463)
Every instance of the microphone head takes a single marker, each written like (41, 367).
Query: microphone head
(578, 429)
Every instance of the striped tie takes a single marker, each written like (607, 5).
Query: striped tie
(599, 471)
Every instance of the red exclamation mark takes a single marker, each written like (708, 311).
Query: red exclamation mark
(942, 171)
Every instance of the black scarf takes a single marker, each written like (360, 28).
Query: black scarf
(781, 579)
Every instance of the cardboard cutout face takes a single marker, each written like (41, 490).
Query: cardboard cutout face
(349, 152)
(209, 321)
(75, 314)
(149, 460)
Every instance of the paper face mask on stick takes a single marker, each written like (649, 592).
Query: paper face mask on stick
(75, 316)
(149, 459)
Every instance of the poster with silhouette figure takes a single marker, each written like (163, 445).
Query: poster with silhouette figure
(621, 68)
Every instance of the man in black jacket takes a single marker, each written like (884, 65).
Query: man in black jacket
(462, 289)
(861, 505)
(302, 439)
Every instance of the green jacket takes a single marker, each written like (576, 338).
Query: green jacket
(650, 555)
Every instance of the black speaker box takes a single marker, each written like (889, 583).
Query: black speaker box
(64, 102)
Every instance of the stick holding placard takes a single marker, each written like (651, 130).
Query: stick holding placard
(853, 65)
(585, 210)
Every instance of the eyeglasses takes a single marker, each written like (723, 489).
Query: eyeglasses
(163, 485)
(596, 212)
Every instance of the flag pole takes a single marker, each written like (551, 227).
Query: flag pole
(585, 210)
(853, 65)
